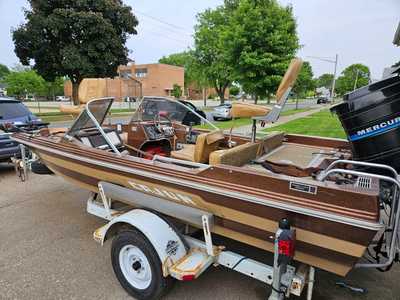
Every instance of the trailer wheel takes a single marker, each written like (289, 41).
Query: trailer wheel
(137, 266)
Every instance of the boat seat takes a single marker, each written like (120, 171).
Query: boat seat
(237, 156)
(200, 152)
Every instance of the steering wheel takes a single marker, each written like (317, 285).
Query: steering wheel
(157, 121)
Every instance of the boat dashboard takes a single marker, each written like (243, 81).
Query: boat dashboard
(93, 138)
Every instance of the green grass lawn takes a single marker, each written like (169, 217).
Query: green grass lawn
(294, 111)
(322, 123)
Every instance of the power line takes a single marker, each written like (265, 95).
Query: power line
(164, 22)
(182, 42)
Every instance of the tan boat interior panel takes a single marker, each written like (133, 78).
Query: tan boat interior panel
(245, 153)
(237, 156)
(272, 141)
(200, 152)
(297, 155)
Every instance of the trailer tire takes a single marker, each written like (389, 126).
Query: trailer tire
(137, 266)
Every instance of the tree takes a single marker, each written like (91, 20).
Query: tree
(305, 81)
(396, 64)
(25, 82)
(77, 39)
(325, 80)
(186, 60)
(52, 89)
(353, 77)
(3, 71)
(234, 90)
(176, 91)
(261, 40)
(211, 54)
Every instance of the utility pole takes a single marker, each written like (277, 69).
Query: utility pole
(334, 79)
(335, 62)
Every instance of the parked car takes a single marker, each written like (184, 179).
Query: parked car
(62, 98)
(323, 100)
(14, 114)
(222, 112)
(29, 98)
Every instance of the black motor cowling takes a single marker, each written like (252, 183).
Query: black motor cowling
(370, 117)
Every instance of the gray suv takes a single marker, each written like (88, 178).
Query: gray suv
(14, 116)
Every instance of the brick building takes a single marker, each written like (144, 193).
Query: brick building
(155, 80)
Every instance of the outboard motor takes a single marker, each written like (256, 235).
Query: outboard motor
(370, 117)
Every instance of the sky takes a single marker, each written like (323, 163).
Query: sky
(359, 31)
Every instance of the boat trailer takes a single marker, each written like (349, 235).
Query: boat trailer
(134, 215)
(184, 257)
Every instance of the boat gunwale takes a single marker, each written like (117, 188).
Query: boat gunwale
(357, 222)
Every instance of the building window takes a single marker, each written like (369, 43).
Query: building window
(125, 73)
(140, 73)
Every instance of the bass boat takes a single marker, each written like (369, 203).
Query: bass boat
(345, 211)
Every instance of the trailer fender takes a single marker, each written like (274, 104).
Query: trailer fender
(165, 240)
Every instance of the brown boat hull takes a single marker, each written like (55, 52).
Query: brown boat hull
(326, 244)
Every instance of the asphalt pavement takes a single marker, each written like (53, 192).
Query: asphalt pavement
(47, 252)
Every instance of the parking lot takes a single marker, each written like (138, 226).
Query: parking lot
(47, 252)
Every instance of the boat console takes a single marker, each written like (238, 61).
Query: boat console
(93, 138)
(153, 132)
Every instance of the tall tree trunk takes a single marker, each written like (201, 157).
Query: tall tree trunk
(221, 93)
(75, 92)
(255, 99)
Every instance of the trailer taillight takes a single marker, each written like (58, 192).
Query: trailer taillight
(286, 238)
(286, 247)
(189, 277)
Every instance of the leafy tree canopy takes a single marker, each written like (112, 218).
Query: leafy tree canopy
(176, 91)
(77, 39)
(3, 71)
(261, 39)
(353, 77)
(193, 73)
(25, 82)
(234, 90)
(211, 52)
(325, 80)
(28, 82)
(305, 82)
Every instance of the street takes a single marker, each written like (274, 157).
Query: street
(47, 252)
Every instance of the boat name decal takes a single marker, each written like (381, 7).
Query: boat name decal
(376, 129)
(158, 191)
(305, 188)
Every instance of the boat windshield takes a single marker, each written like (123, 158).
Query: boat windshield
(96, 110)
(180, 111)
